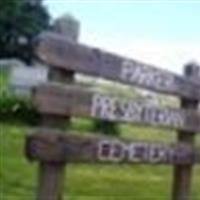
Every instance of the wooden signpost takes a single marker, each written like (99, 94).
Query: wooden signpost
(51, 174)
(56, 101)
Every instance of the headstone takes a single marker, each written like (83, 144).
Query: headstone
(10, 63)
(24, 78)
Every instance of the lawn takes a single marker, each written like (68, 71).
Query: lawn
(18, 178)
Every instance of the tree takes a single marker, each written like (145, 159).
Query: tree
(20, 21)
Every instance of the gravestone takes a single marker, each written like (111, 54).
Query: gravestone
(24, 78)
(10, 63)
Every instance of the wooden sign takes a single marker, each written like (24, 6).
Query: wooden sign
(72, 100)
(58, 52)
(52, 145)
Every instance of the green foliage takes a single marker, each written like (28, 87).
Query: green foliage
(18, 178)
(16, 108)
(4, 73)
(106, 127)
(20, 21)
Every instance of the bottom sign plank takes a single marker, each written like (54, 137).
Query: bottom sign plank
(54, 146)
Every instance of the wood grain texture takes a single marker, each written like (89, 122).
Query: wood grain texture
(51, 175)
(64, 54)
(55, 146)
(183, 174)
(193, 72)
(51, 181)
(72, 100)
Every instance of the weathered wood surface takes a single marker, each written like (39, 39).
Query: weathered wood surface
(193, 71)
(72, 100)
(55, 146)
(61, 53)
(183, 174)
(51, 181)
(51, 175)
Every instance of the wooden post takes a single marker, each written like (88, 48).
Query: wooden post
(68, 28)
(51, 181)
(51, 175)
(183, 174)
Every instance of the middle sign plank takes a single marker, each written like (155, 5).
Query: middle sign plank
(55, 146)
(58, 52)
(73, 100)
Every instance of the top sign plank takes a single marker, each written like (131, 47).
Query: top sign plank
(58, 52)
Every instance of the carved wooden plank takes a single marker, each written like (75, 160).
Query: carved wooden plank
(73, 100)
(64, 54)
(55, 146)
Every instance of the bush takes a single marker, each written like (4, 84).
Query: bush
(106, 127)
(17, 108)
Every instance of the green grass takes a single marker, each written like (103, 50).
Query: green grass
(18, 178)
(3, 76)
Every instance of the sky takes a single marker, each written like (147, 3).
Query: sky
(163, 33)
